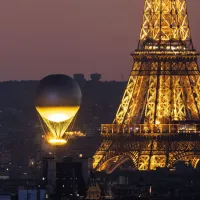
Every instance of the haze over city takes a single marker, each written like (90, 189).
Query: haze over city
(72, 127)
(73, 36)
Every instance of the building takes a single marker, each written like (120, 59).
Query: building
(32, 194)
(49, 172)
(80, 79)
(94, 191)
(5, 196)
(95, 77)
(70, 180)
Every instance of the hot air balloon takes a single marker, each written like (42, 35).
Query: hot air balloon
(58, 99)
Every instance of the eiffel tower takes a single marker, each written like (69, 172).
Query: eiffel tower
(158, 120)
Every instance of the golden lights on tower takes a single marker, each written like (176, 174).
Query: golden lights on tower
(161, 103)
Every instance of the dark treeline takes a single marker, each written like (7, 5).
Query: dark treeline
(99, 104)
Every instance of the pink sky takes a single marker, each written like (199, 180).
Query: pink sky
(40, 37)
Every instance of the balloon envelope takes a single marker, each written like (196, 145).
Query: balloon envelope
(58, 114)
(58, 99)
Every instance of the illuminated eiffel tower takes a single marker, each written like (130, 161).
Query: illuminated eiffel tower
(158, 120)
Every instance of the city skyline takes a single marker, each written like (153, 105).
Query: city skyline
(73, 37)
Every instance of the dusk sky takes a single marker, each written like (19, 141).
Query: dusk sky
(41, 37)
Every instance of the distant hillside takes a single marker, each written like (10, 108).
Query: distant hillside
(99, 104)
(17, 94)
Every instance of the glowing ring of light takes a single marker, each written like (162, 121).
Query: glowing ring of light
(58, 141)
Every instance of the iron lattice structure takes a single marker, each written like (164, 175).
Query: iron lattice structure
(157, 121)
